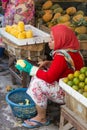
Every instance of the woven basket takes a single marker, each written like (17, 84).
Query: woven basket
(17, 96)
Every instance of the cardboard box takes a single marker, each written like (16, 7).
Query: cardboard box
(75, 101)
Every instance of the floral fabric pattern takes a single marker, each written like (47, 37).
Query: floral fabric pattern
(19, 10)
(41, 91)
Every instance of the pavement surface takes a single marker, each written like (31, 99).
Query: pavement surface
(7, 120)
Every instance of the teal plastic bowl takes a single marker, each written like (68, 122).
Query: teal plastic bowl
(15, 97)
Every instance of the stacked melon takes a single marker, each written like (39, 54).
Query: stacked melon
(18, 31)
(78, 81)
(52, 13)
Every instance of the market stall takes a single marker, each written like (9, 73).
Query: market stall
(72, 13)
(28, 48)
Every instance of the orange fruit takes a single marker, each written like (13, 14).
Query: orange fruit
(82, 77)
(85, 94)
(86, 73)
(85, 88)
(70, 76)
(86, 80)
(76, 73)
(81, 84)
(80, 91)
(76, 81)
(83, 69)
(65, 80)
(75, 87)
(70, 83)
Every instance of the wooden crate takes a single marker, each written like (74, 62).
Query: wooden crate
(44, 28)
(76, 106)
(75, 101)
(34, 52)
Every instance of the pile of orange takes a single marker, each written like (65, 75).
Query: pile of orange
(78, 81)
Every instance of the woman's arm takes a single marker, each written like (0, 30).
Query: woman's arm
(44, 64)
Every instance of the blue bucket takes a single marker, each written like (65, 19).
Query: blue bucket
(1, 51)
(17, 96)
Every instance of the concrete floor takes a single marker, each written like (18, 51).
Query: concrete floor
(7, 119)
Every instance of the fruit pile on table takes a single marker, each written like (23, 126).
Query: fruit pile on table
(78, 81)
(18, 30)
(51, 13)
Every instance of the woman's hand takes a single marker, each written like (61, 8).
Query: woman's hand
(23, 65)
(44, 64)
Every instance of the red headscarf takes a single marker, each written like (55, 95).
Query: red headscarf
(64, 38)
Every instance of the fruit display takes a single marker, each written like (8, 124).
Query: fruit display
(78, 81)
(18, 31)
(50, 13)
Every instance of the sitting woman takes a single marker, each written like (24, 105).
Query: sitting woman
(44, 83)
(18, 10)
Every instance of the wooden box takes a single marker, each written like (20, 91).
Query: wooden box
(34, 52)
(76, 106)
(75, 101)
(44, 28)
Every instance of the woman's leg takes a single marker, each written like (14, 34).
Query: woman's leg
(40, 117)
(40, 91)
(39, 98)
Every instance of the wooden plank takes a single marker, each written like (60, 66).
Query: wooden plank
(34, 47)
(67, 126)
(72, 118)
(76, 107)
